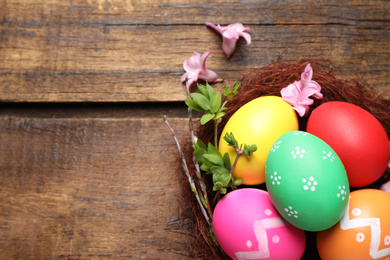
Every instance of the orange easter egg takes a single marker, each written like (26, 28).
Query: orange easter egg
(363, 232)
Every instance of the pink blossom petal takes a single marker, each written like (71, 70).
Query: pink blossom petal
(386, 187)
(302, 110)
(202, 64)
(312, 89)
(195, 68)
(298, 93)
(218, 28)
(229, 46)
(230, 35)
(247, 37)
(307, 74)
(184, 77)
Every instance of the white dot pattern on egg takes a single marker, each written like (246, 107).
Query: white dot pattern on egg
(297, 152)
(290, 212)
(275, 178)
(309, 184)
(276, 146)
(342, 192)
(328, 156)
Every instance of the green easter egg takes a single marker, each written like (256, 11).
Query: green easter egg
(306, 181)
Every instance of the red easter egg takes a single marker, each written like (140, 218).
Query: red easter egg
(357, 137)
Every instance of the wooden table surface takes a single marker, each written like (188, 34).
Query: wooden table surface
(88, 168)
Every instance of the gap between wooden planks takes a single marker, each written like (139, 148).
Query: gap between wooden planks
(99, 186)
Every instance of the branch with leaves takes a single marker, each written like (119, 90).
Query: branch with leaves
(208, 159)
(213, 163)
(208, 100)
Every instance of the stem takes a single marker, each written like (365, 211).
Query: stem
(185, 168)
(223, 105)
(216, 123)
(196, 164)
(191, 126)
(239, 152)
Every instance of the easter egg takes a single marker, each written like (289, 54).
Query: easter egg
(247, 226)
(357, 136)
(363, 232)
(260, 121)
(306, 181)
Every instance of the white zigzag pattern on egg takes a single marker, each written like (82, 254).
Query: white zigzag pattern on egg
(260, 228)
(346, 223)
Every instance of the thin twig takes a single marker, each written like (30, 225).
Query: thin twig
(185, 168)
(194, 139)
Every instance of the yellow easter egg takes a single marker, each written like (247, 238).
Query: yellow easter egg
(260, 121)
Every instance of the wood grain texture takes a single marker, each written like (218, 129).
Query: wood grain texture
(132, 51)
(102, 187)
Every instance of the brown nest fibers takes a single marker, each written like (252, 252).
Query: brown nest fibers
(269, 81)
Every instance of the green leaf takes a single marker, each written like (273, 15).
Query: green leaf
(248, 149)
(213, 159)
(219, 170)
(203, 90)
(210, 90)
(222, 179)
(211, 149)
(198, 154)
(226, 91)
(217, 185)
(206, 117)
(237, 182)
(236, 85)
(219, 115)
(226, 161)
(215, 103)
(193, 105)
(230, 139)
(205, 168)
(199, 144)
(201, 100)
(223, 190)
(225, 179)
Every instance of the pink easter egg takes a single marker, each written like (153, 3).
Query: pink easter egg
(247, 226)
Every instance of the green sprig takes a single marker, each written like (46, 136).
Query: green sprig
(214, 163)
(209, 102)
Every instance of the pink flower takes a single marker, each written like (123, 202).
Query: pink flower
(297, 94)
(386, 187)
(230, 35)
(195, 68)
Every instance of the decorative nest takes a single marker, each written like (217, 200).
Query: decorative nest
(336, 86)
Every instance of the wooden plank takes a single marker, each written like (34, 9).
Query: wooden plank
(79, 187)
(166, 12)
(132, 51)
